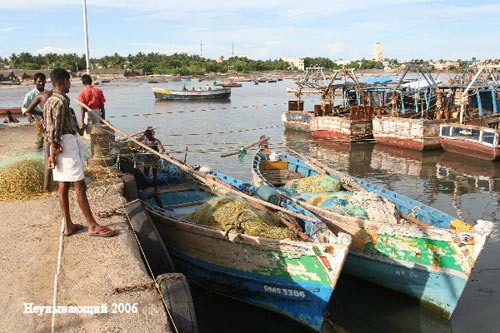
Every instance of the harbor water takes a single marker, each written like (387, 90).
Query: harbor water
(201, 131)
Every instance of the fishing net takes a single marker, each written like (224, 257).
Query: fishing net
(227, 212)
(100, 173)
(363, 205)
(21, 177)
(377, 208)
(318, 183)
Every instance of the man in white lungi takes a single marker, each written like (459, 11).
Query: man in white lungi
(66, 154)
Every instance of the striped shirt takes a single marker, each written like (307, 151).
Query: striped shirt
(59, 118)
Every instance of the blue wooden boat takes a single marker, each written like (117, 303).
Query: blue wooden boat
(293, 277)
(182, 95)
(421, 252)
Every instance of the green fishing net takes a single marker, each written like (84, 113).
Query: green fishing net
(225, 212)
(318, 183)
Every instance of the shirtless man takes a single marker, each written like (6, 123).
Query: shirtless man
(40, 99)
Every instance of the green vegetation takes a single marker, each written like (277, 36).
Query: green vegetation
(184, 64)
(152, 63)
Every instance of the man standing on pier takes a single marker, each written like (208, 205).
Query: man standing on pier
(93, 98)
(35, 115)
(66, 154)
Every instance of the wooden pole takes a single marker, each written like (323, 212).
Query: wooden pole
(264, 139)
(208, 180)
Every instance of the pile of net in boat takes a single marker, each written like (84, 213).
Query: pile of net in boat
(364, 205)
(21, 176)
(325, 191)
(318, 183)
(225, 212)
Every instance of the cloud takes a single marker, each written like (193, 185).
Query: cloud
(59, 50)
(8, 29)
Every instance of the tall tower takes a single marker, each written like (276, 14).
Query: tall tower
(377, 54)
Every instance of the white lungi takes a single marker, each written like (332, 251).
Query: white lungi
(70, 162)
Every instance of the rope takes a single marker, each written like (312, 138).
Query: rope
(145, 115)
(155, 282)
(56, 276)
(150, 285)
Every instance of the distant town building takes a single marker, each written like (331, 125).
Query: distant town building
(342, 62)
(294, 63)
(220, 60)
(445, 65)
(377, 54)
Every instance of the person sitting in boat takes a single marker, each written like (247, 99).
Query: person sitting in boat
(151, 160)
(193, 89)
(208, 87)
(184, 88)
(10, 119)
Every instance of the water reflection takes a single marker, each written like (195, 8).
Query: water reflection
(459, 186)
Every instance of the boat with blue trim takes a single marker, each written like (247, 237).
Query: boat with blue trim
(190, 95)
(413, 248)
(479, 136)
(294, 277)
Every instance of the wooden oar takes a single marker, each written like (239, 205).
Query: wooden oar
(264, 139)
(208, 180)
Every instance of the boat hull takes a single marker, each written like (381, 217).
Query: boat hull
(341, 128)
(170, 95)
(473, 141)
(293, 277)
(429, 262)
(415, 134)
(297, 120)
(286, 278)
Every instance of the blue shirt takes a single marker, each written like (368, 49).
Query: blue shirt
(28, 98)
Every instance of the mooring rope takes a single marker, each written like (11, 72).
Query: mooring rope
(147, 114)
(56, 276)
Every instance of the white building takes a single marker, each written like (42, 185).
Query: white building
(295, 63)
(377, 54)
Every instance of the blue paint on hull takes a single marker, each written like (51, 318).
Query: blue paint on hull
(439, 288)
(250, 288)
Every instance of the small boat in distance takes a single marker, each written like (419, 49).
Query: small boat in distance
(15, 111)
(181, 95)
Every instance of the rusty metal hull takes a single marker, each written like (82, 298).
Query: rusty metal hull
(341, 128)
(297, 120)
(431, 261)
(415, 134)
(470, 140)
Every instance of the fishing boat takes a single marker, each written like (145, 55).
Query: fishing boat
(293, 277)
(348, 119)
(412, 248)
(478, 136)
(15, 111)
(182, 95)
(231, 84)
(418, 108)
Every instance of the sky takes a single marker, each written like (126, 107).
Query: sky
(258, 29)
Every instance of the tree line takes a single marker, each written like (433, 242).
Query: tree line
(177, 63)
